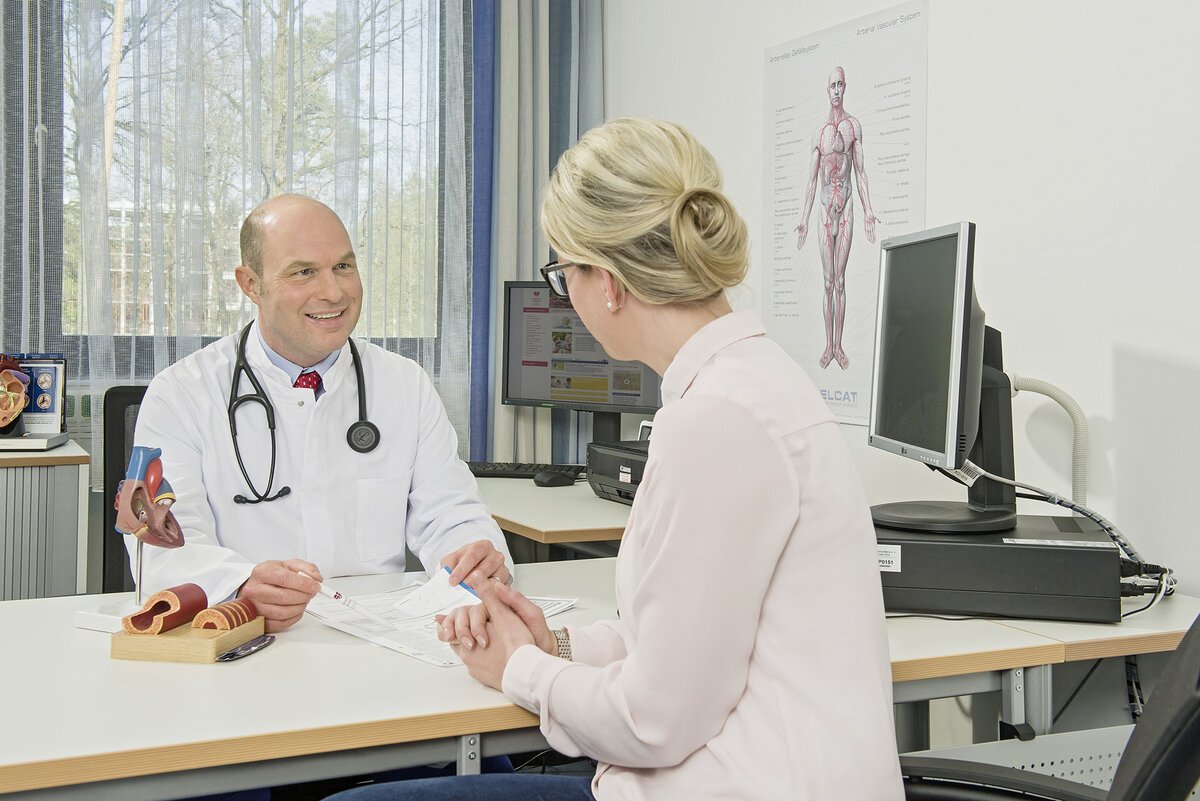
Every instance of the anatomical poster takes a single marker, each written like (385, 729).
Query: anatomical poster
(845, 169)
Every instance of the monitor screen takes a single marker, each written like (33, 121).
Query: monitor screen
(551, 360)
(928, 347)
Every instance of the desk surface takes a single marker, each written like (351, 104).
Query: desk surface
(928, 648)
(553, 514)
(68, 453)
(1155, 630)
(931, 648)
(68, 718)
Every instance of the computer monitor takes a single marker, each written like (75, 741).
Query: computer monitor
(938, 391)
(551, 360)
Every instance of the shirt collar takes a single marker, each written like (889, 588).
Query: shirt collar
(292, 369)
(703, 345)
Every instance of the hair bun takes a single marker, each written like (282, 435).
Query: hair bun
(709, 237)
(643, 198)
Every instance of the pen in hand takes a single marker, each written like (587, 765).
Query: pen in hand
(350, 603)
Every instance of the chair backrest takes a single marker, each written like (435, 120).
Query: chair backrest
(120, 416)
(1162, 760)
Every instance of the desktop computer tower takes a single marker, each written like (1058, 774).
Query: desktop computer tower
(1052, 568)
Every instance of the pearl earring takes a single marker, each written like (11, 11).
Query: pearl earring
(610, 305)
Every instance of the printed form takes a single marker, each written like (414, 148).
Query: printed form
(410, 610)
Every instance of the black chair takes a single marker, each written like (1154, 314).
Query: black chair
(1161, 761)
(120, 415)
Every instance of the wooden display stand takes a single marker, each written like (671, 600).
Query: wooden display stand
(184, 643)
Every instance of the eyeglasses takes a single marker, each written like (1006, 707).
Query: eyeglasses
(555, 279)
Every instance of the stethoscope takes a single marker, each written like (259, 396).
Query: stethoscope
(362, 435)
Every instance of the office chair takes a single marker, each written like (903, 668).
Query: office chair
(1161, 761)
(120, 414)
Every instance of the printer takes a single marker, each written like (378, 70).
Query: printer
(614, 469)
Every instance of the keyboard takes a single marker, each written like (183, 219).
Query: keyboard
(521, 469)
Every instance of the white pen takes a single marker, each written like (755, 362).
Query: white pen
(350, 603)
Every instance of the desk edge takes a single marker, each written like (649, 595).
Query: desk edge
(945, 665)
(215, 753)
(557, 536)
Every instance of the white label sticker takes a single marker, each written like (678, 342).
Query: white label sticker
(889, 558)
(625, 475)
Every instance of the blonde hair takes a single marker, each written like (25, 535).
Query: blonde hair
(643, 199)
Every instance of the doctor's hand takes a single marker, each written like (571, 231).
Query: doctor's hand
(467, 625)
(506, 632)
(476, 563)
(279, 592)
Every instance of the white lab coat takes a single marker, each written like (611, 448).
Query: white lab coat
(348, 513)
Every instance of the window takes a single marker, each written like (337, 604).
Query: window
(137, 134)
(200, 113)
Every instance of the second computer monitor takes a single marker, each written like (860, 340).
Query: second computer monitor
(928, 347)
(938, 393)
(551, 360)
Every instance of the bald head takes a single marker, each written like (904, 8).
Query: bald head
(254, 227)
(298, 268)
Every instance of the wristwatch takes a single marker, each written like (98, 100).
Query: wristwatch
(564, 643)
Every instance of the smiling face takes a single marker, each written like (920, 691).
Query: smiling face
(309, 294)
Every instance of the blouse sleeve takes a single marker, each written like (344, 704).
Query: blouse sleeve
(599, 644)
(714, 513)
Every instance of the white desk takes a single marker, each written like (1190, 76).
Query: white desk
(941, 658)
(930, 658)
(319, 703)
(1153, 631)
(552, 515)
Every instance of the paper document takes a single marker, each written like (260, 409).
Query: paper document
(436, 597)
(411, 611)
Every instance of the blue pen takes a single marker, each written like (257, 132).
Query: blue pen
(462, 584)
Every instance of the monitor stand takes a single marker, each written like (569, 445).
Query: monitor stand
(942, 517)
(606, 426)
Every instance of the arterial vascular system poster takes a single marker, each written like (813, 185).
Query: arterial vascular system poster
(845, 169)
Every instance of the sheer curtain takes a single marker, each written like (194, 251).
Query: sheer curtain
(31, 167)
(179, 117)
(548, 90)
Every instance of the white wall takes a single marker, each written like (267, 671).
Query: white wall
(1068, 131)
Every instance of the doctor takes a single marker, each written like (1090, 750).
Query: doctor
(362, 459)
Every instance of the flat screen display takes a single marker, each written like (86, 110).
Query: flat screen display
(915, 343)
(550, 359)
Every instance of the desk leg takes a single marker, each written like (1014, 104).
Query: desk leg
(1039, 698)
(468, 755)
(1025, 701)
(912, 726)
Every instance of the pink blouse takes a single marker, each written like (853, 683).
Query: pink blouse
(750, 658)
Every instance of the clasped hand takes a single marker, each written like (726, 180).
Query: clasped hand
(486, 634)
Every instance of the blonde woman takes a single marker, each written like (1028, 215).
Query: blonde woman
(750, 659)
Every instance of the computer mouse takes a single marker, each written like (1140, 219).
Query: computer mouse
(553, 478)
